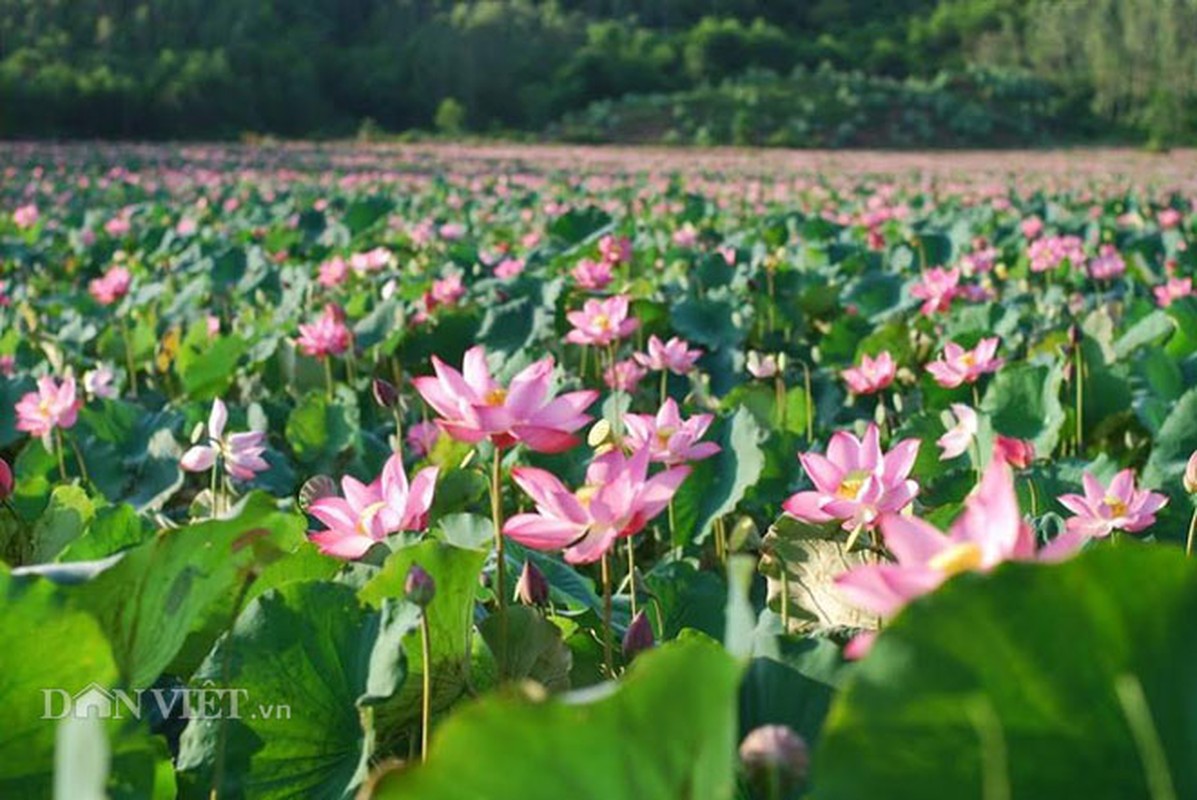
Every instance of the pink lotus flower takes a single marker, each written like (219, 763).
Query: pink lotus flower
(1016, 452)
(1173, 290)
(1107, 265)
(989, 531)
(185, 226)
(615, 250)
(624, 376)
(327, 336)
(1190, 479)
(593, 276)
(333, 272)
(451, 231)
(872, 375)
(98, 382)
(53, 405)
(509, 268)
(240, 453)
(601, 322)
(686, 236)
(25, 217)
(761, 366)
(1049, 253)
(111, 287)
(1119, 507)
(117, 226)
(1168, 218)
(855, 482)
(371, 260)
(617, 500)
(674, 355)
(446, 291)
(961, 435)
(422, 437)
(8, 365)
(937, 288)
(473, 407)
(668, 438)
(369, 512)
(1031, 227)
(958, 366)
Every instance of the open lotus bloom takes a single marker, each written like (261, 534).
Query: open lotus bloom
(327, 336)
(473, 407)
(989, 531)
(601, 322)
(369, 512)
(856, 482)
(54, 405)
(674, 355)
(937, 287)
(241, 453)
(873, 374)
(618, 499)
(958, 366)
(668, 438)
(961, 435)
(1118, 507)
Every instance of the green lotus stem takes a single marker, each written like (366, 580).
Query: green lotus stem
(58, 449)
(617, 426)
(976, 397)
(608, 657)
(1034, 496)
(632, 574)
(130, 364)
(671, 522)
(328, 377)
(398, 427)
(496, 514)
(582, 366)
(1192, 533)
(226, 669)
(214, 490)
(426, 699)
(79, 460)
(1080, 398)
(664, 386)
(772, 300)
(779, 400)
(785, 596)
(810, 407)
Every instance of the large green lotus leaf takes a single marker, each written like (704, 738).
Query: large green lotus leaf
(319, 429)
(719, 483)
(149, 600)
(44, 645)
(205, 367)
(450, 618)
(1175, 442)
(1070, 680)
(1024, 401)
(309, 660)
(665, 731)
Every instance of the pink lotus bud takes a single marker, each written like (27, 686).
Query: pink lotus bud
(1190, 474)
(774, 749)
(385, 393)
(532, 589)
(638, 637)
(1016, 452)
(6, 482)
(419, 587)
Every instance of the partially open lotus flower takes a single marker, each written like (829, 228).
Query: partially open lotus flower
(473, 407)
(669, 438)
(1118, 507)
(856, 482)
(618, 499)
(872, 375)
(989, 531)
(958, 366)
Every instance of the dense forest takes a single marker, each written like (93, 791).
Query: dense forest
(795, 72)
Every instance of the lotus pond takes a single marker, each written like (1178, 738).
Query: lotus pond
(517, 472)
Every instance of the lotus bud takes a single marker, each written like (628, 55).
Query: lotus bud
(1017, 453)
(419, 587)
(774, 749)
(532, 589)
(1190, 474)
(6, 482)
(638, 637)
(385, 393)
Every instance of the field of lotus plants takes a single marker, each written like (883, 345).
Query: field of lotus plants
(514, 472)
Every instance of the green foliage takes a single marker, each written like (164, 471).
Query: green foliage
(1060, 681)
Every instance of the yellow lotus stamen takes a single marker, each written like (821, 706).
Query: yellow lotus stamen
(851, 484)
(1116, 506)
(496, 396)
(963, 557)
(586, 494)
